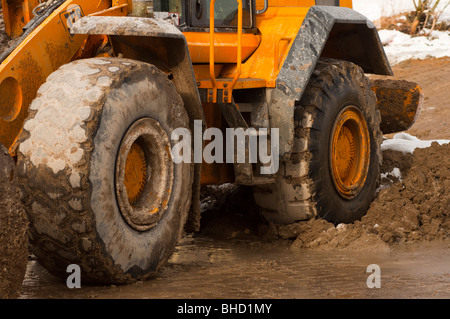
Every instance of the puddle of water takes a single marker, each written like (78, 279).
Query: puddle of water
(204, 268)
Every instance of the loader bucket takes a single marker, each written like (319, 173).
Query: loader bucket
(399, 102)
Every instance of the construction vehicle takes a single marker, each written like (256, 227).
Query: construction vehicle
(91, 92)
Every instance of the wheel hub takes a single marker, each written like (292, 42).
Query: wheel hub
(144, 174)
(350, 152)
(135, 173)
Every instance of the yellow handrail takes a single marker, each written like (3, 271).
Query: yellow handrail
(239, 48)
(211, 49)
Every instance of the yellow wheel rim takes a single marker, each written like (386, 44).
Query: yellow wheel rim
(135, 173)
(144, 174)
(350, 152)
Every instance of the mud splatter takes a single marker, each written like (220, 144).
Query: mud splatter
(13, 232)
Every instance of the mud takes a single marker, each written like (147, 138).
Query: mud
(411, 206)
(4, 39)
(206, 268)
(13, 220)
(13, 232)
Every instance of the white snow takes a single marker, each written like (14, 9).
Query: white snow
(375, 9)
(406, 143)
(395, 173)
(400, 46)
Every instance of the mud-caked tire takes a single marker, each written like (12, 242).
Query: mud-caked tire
(334, 169)
(95, 168)
(13, 231)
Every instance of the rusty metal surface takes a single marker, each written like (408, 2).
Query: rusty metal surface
(399, 102)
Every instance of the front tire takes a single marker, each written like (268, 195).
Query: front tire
(335, 166)
(96, 170)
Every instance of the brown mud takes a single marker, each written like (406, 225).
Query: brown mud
(13, 220)
(13, 231)
(4, 39)
(411, 208)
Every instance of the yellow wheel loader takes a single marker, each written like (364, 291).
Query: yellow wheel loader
(114, 109)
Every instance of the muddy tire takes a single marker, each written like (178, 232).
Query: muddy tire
(335, 166)
(96, 170)
(13, 231)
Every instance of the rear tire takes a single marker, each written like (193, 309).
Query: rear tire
(335, 166)
(96, 170)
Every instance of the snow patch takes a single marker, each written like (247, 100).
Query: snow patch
(375, 9)
(407, 143)
(401, 47)
(395, 173)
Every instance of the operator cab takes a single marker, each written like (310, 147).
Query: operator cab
(194, 15)
(225, 14)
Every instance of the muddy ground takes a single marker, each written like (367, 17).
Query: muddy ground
(13, 231)
(237, 255)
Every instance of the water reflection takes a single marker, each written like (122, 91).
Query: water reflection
(206, 268)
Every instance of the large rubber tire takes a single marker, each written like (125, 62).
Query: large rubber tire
(13, 231)
(306, 186)
(88, 122)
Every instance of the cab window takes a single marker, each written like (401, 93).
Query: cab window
(225, 13)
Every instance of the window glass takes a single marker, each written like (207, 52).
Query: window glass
(225, 13)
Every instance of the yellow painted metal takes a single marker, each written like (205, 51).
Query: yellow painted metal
(117, 10)
(44, 50)
(16, 14)
(239, 49)
(135, 173)
(225, 84)
(225, 50)
(263, 53)
(399, 101)
(285, 3)
(228, 87)
(350, 152)
(278, 26)
(247, 60)
(211, 52)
